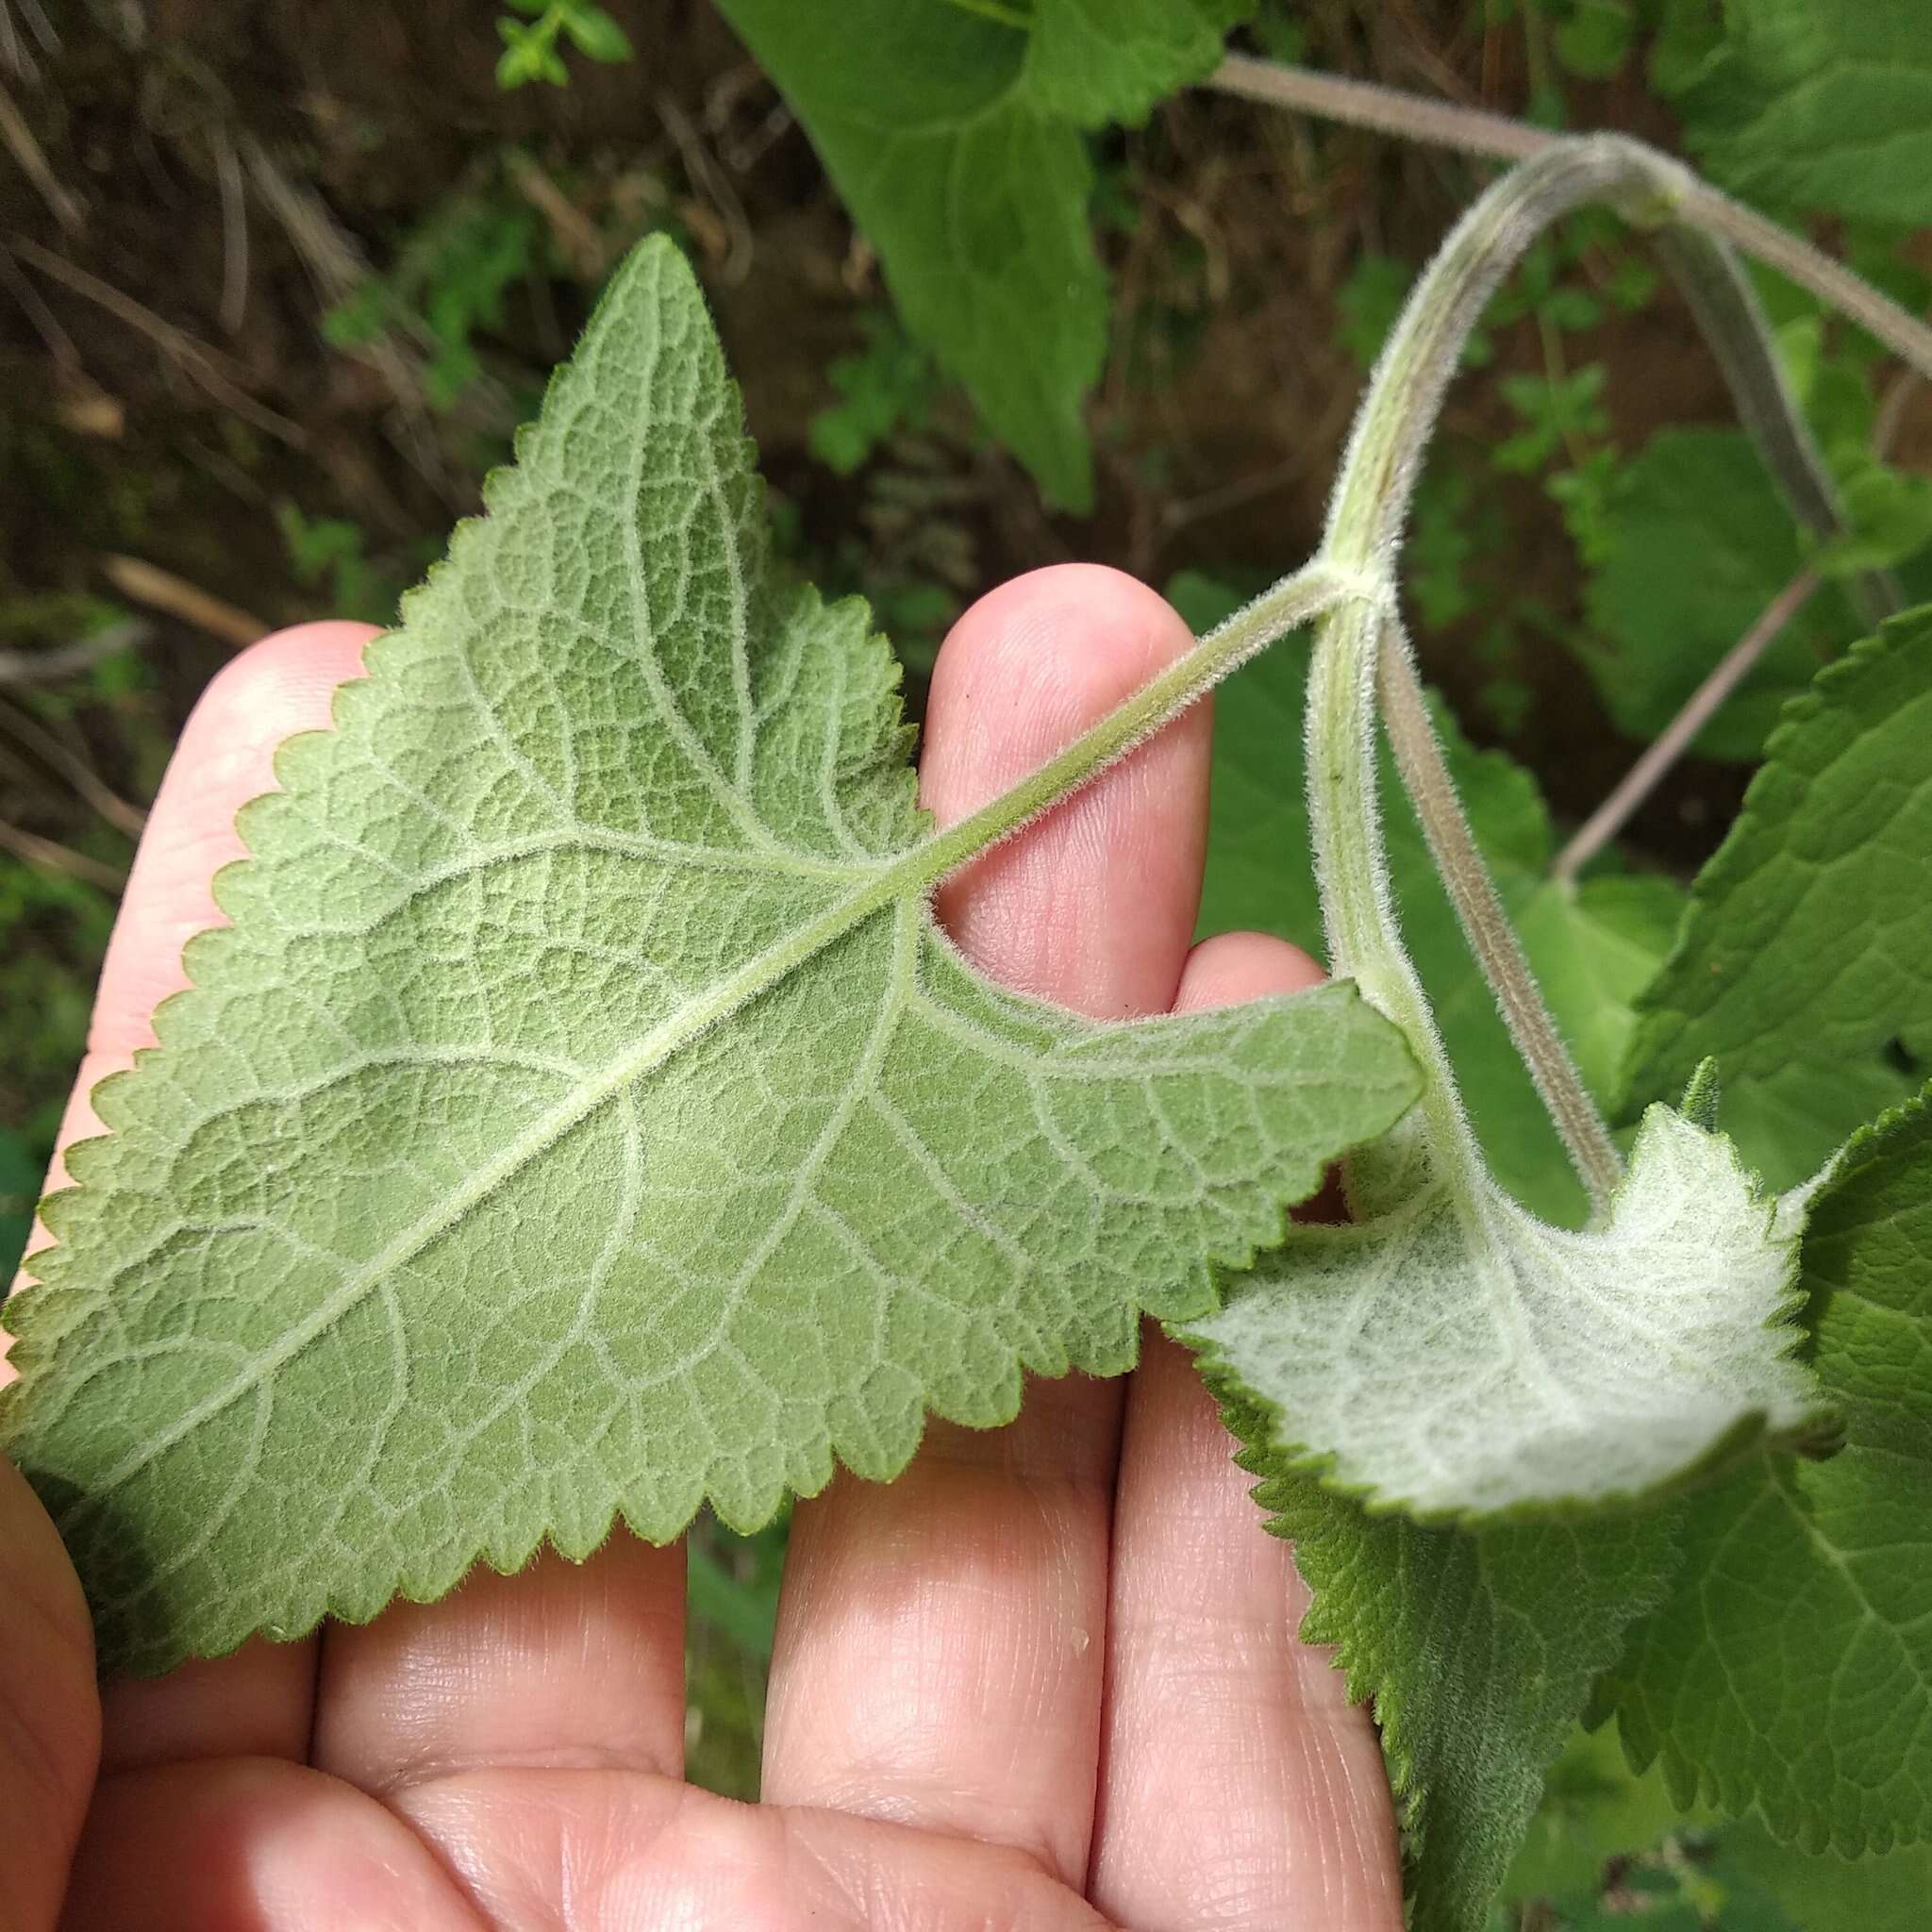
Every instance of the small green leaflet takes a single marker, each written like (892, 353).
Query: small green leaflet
(1823, 105)
(1790, 1670)
(1592, 947)
(584, 1115)
(1695, 543)
(1804, 965)
(1477, 1649)
(1448, 1355)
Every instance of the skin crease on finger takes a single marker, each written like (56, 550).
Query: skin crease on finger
(512, 1756)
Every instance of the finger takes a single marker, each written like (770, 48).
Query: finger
(259, 1700)
(939, 1642)
(50, 1719)
(1238, 1786)
(561, 1665)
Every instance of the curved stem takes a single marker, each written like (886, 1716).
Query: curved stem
(1728, 310)
(1365, 523)
(1405, 392)
(1415, 117)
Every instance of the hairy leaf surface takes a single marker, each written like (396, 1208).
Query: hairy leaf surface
(1806, 963)
(1448, 1355)
(974, 195)
(1790, 1669)
(583, 1114)
(1823, 105)
(1476, 1648)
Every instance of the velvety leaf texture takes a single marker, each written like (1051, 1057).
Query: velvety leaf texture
(583, 1114)
(1592, 946)
(1476, 1648)
(1808, 950)
(1790, 1669)
(974, 195)
(1448, 1355)
(1819, 104)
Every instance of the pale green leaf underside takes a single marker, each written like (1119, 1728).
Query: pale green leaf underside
(1808, 950)
(583, 1114)
(1476, 1647)
(1450, 1356)
(1790, 1669)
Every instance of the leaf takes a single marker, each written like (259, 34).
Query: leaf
(1823, 105)
(583, 1115)
(1093, 61)
(1593, 948)
(1790, 1670)
(1477, 1649)
(974, 197)
(1448, 1355)
(1808, 949)
(1696, 544)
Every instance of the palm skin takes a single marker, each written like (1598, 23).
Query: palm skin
(1047, 1680)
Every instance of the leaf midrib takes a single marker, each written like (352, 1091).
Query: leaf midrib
(912, 871)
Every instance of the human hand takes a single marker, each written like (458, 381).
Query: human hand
(1048, 1679)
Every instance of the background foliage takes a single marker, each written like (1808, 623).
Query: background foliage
(255, 360)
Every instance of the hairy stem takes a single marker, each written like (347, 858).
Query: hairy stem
(1296, 599)
(1364, 531)
(1642, 780)
(1414, 117)
(1385, 110)
(1491, 937)
(1728, 310)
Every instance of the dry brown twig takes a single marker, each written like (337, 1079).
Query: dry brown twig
(161, 589)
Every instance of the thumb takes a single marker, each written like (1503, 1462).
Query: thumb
(50, 1714)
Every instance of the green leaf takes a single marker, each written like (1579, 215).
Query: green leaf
(974, 197)
(1697, 544)
(593, 32)
(1448, 1355)
(1790, 1670)
(1593, 948)
(583, 1114)
(1807, 951)
(1477, 1649)
(1093, 61)
(1823, 105)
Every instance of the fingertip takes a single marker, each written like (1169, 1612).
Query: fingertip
(1234, 967)
(1093, 905)
(225, 757)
